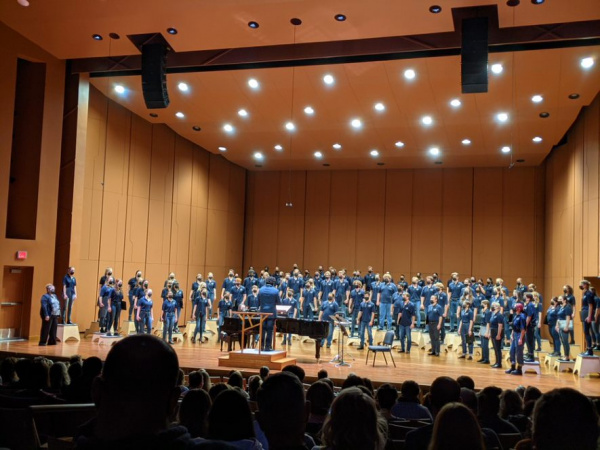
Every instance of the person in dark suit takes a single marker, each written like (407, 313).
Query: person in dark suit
(69, 294)
(49, 312)
(268, 299)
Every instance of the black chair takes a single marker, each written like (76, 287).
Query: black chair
(386, 347)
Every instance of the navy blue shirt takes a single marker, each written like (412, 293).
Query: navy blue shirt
(224, 306)
(211, 285)
(570, 299)
(132, 283)
(426, 294)
(309, 297)
(228, 283)
(329, 309)
(466, 316)
(357, 296)
(434, 312)
(455, 288)
(252, 301)
(237, 296)
(397, 302)
(489, 291)
(169, 306)
(178, 297)
(442, 299)
(496, 320)
(415, 293)
(375, 289)
(293, 303)
(268, 298)
(587, 301)
(145, 304)
(296, 284)
(106, 293)
(552, 316)
(369, 279)
(201, 304)
(341, 287)
(519, 322)
(387, 291)
(486, 317)
(249, 282)
(407, 311)
(564, 311)
(368, 310)
(531, 311)
(69, 282)
(326, 288)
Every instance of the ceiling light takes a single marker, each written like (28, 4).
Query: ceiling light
(426, 120)
(309, 110)
(196, 128)
(455, 103)
(339, 17)
(588, 62)
(537, 2)
(513, 3)
(258, 155)
(114, 36)
(97, 37)
(399, 144)
(435, 9)
(171, 30)
(243, 113)
(544, 115)
(537, 98)
(318, 155)
(154, 115)
(337, 146)
(228, 128)
(183, 87)
(505, 149)
(278, 148)
(24, 3)
(502, 117)
(290, 126)
(574, 96)
(356, 123)
(379, 107)
(328, 79)
(466, 141)
(434, 151)
(253, 83)
(180, 114)
(410, 74)
(374, 153)
(253, 24)
(497, 68)
(119, 89)
(537, 139)
(223, 149)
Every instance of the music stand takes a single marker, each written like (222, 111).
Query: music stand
(339, 321)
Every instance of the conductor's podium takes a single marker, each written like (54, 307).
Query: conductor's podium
(66, 332)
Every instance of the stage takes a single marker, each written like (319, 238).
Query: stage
(417, 365)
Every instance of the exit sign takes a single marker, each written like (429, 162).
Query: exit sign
(21, 255)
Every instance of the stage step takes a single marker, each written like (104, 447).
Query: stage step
(251, 359)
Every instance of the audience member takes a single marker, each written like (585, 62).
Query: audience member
(80, 389)
(193, 412)
(8, 372)
(230, 420)
(195, 380)
(236, 379)
(322, 374)
(264, 372)
(59, 377)
(352, 380)
(408, 406)
(254, 383)
(489, 408)
(320, 395)
(386, 397)
(296, 370)
(465, 381)
(216, 389)
(206, 383)
(456, 428)
(469, 399)
(511, 409)
(180, 382)
(354, 423)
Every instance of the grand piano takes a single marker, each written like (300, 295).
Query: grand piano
(315, 329)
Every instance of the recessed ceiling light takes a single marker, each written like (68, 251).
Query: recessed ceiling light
(253, 24)
(374, 153)
(114, 36)
(502, 117)
(379, 107)
(513, 3)
(97, 37)
(505, 149)
(588, 62)
(24, 3)
(196, 128)
(574, 96)
(410, 74)
(318, 154)
(339, 17)
(497, 68)
(180, 114)
(223, 149)
(455, 103)
(466, 141)
(253, 83)
(337, 146)
(399, 144)
(434, 151)
(228, 128)
(435, 9)
(356, 123)
(153, 115)
(171, 30)
(119, 89)
(243, 113)
(278, 148)
(309, 110)
(183, 87)
(426, 120)
(537, 98)
(544, 115)
(290, 126)
(328, 79)
(537, 2)
(258, 155)
(537, 139)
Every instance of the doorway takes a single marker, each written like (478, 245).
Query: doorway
(15, 302)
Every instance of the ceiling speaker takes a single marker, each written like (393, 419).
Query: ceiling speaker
(474, 55)
(154, 75)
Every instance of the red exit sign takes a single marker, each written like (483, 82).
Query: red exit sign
(21, 255)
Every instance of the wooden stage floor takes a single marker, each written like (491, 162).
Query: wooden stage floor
(417, 365)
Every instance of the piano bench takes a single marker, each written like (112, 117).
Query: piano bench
(231, 339)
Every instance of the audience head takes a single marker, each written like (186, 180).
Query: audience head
(282, 411)
(352, 380)
(264, 372)
(206, 383)
(59, 376)
(75, 371)
(230, 418)
(456, 427)
(320, 396)
(386, 396)
(193, 412)
(469, 399)
(443, 390)
(195, 380)
(91, 368)
(322, 374)
(511, 404)
(564, 419)
(410, 391)
(7, 370)
(216, 389)
(489, 401)
(236, 379)
(296, 370)
(531, 393)
(353, 423)
(254, 383)
(39, 374)
(465, 381)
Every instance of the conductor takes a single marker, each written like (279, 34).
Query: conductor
(268, 298)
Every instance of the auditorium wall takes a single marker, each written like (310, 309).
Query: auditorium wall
(485, 222)
(156, 202)
(573, 206)
(41, 248)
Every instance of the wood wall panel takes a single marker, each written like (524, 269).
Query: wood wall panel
(370, 218)
(398, 222)
(316, 218)
(342, 219)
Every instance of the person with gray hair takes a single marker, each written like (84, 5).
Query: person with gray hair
(49, 312)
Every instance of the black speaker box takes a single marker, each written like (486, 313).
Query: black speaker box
(154, 75)
(474, 55)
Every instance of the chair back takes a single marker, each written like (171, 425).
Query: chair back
(389, 338)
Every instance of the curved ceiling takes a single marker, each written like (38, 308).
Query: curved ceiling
(64, 28)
